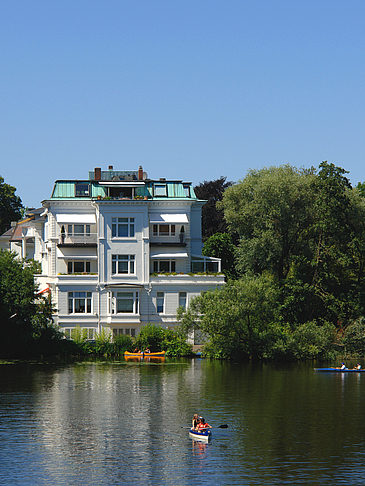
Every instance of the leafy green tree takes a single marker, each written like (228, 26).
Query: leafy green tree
(269, 210)
(239, 319)
(354, 338)
(25, 317)
(10, 206)
(221, 246)
(212, 217)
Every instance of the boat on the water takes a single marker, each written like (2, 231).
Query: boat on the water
(159, 354)
(203, 436)
(341, 370)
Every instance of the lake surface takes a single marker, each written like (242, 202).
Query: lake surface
(123, 423)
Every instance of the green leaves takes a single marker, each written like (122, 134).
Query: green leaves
(10, 206)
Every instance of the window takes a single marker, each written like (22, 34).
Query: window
(160, 190)
(122, 227)
(87, 333)
(182, 299)
(79, 302)
(160, 301)
(186, 189)
(82, 190)
(128, 331)
(204, 266)
(164, 230)
(122, 264)
(78, 229)
(125, 302)
(78, 267)
(164, 266)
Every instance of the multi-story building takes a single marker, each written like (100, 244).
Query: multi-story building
(118, 250)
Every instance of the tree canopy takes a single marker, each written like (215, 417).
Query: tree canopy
(212, 217)
(10, 206)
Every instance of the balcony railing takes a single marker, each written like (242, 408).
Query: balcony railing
(77, 239)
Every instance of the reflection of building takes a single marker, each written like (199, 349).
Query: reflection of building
(118, 250)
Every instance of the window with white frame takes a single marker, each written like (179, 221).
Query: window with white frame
(163, 230)
(122, 227)
(125, 302)
(160, 302)
(87, 333)
(160, 266)
(129, 331)
(79, 302)
(78, 229)
(123, 264)
(78, 266)
(160, 190)
(182, 299)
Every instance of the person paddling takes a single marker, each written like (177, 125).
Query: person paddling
(203, 425)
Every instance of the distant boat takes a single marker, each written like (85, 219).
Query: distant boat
(159, 354)
(340, 370)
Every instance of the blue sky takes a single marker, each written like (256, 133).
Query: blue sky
(189, 89)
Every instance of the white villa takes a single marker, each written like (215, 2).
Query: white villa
(117, 250)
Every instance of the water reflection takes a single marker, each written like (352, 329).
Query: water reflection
(126, 422)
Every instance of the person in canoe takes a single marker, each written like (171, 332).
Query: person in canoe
(357, 367)
(195, 421)
(203, 425)
(343, 367)
(147, 350)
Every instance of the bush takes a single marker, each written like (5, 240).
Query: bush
(354, 337)
(310, 341)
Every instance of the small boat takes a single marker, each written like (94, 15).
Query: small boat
(340, 370)
(159, 354)
(203, 436)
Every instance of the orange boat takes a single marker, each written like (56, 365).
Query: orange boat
(159, 354)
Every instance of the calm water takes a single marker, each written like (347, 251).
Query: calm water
(122, 423)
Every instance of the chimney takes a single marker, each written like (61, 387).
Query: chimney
(140, 173)
(97, 173)
(110, 167)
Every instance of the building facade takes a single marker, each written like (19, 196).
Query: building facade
(118, 250)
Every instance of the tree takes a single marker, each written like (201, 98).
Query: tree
(269, 210)
(307, 229)
(212, 217)
(25, 316)
(10, 206)
(221, 246)
(239, 319)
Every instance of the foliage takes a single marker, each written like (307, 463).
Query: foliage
(25, 316)
(10, 206)
(221, 246)
(212, 217)
(156, 338)
(238, 319)
(354, 337)
(307, 229)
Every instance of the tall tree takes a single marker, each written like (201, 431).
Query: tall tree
(306, 228)
(212, 217)
(10, 206)
(269, 211)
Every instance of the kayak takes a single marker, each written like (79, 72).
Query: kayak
(339, 370)
(204, 436)
(160, 354)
